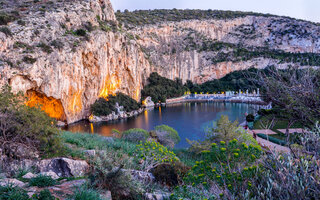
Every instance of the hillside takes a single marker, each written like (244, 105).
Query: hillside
(201, 45)
(66, 54)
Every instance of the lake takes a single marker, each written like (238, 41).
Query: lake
(191, 120)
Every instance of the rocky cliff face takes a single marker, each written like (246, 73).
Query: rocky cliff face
(206, 49)
(65, 54)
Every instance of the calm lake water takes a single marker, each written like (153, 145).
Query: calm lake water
(191, 120)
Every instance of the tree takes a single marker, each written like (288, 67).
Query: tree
(295, 93)
(25, 126)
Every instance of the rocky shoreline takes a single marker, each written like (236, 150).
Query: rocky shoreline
(115, 116)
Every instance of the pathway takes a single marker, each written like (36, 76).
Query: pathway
(297, 130)
(264, 131)
(270, 145)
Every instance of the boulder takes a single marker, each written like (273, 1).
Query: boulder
(61, 124)
(95, 119)
(89, 153)
(3, 176)
(19, 151)
(148, 102)
(64, 167)
(50, 173)
(141, 176)
(13, 182)
(29, 175)
(157, 196)
(11, 167)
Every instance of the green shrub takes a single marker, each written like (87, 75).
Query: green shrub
(57, 44)
(18, 125)
(250, 118)
(165, 174)
(29, 60)
(272, 139)
(80, 32)
(104, 107)
(153, 154)
(231, 165)
(225, 130)
(9, 192)
(135, 135)
(84, 193)
(6, 31)
(42, 181)
(107, 175)
(21, 22)
(288, 177)
(160, 88)
(5, 18)
(167, 136)
(45, 48)
(44, 195)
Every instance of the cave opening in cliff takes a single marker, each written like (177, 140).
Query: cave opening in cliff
(53, 107)
(110, 87)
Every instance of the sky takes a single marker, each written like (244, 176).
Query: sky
(301, 9)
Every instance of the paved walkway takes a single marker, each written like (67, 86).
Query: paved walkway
(264, 131)
(297, 130)
(270, 145)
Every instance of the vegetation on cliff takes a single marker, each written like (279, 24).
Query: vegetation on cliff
(160, 88)
(235, 53)
(233, 81)
(143, 17)
(105, 106)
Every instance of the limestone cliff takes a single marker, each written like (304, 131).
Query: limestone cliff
(65, 54)
(204, 45)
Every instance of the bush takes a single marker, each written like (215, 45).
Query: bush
(84, 193)
(250, 118)
(288, 177)
(167, 136)
(44, 195)
(119, 182)
(45, 48)
(42, 181)
(231, 165)
(21, 22)
(57, 44)
(165, 174)
(224, 131)
(153, 154)
(80, 32)
(6, 31)
(272, 139)
(5, 18)
(135, 135)
(29, 60)
(160, 88)
(104, 107)
(9, 192)
(18, 127)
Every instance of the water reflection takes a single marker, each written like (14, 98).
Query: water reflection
(189, 119)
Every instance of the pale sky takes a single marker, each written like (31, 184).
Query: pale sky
(301, 9)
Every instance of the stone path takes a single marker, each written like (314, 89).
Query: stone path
(297, 130)
(270, 145)
(264, 131)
